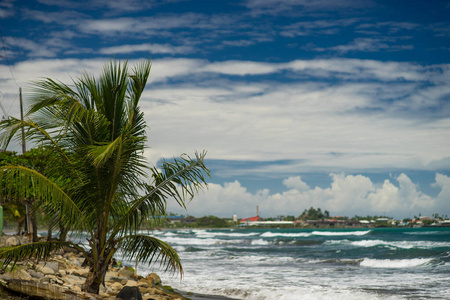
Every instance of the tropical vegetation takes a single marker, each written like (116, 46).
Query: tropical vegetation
(100, 183)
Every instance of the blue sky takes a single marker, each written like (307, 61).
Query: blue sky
(342, 105)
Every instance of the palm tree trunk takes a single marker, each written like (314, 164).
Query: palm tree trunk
(20, 225)
(49, 232)
(95, 279)
(34, 226)
(63, 233)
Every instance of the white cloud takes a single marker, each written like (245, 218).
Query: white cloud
(7, 9)
(443, 199)
(151, 48)
(369, 45)
(375, 122)
(66, 17)
(238, 43)
(274, 7)
(295, 183)
(348, 195)
(393, 27)
(34, 49)
(326, 27)
(345, 69)
(241, 68)
(106, 5)
(154, 25)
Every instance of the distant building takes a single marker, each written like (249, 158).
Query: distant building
(252, 219)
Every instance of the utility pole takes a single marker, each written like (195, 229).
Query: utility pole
(24, 149)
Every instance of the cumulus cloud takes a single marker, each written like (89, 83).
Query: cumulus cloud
(347, 195)
(296, 183)
(443, 199)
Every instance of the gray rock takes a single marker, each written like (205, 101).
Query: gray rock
(75, 262)
(73, 280)
(54, 265)
(45, 270)
(24, 274)
(12, 241)
(35, 274)
(41, 290)
(44, 280)
(153, 278)
(6, 277)
(130, 293)
(81, 272)
(126, 273)
(122, 280)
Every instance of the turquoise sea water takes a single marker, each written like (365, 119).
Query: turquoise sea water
(385, 263)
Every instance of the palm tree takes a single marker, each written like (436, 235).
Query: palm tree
(106, 189)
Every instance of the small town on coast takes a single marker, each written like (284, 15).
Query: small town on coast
(310, 218)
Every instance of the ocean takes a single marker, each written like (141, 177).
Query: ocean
(254, 263)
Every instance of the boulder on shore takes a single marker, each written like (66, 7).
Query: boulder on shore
(129, 293)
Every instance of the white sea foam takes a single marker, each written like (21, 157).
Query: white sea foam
(428, 233)
(238, 234)
(170, 234)
(340, 233)
(179, 248)
(254, 289)
(313, 293)
(255, 259)
(272, 234)
(192, 241)
(337, 242)
(260, 242)
(225, 234)
(394, 263)
(401, 244)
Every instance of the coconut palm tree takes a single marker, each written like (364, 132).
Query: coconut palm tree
(106, 189)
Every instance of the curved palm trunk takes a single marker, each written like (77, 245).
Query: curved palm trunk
(96, 276)
(33, 221)
(94, 279)
(97, 265)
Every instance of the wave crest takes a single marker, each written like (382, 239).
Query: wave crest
(395, 263)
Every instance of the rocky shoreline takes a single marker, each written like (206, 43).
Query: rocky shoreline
(61, 277)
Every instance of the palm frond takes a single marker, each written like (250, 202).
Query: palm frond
(39, 251)
(139, 80)
(113, 83)
(182, 178)
(25, 182)
(33, 132)
(101, 153)
(147, 249)
(48, 93)
(178, 180)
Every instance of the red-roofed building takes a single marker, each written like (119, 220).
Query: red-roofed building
(252, 219)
